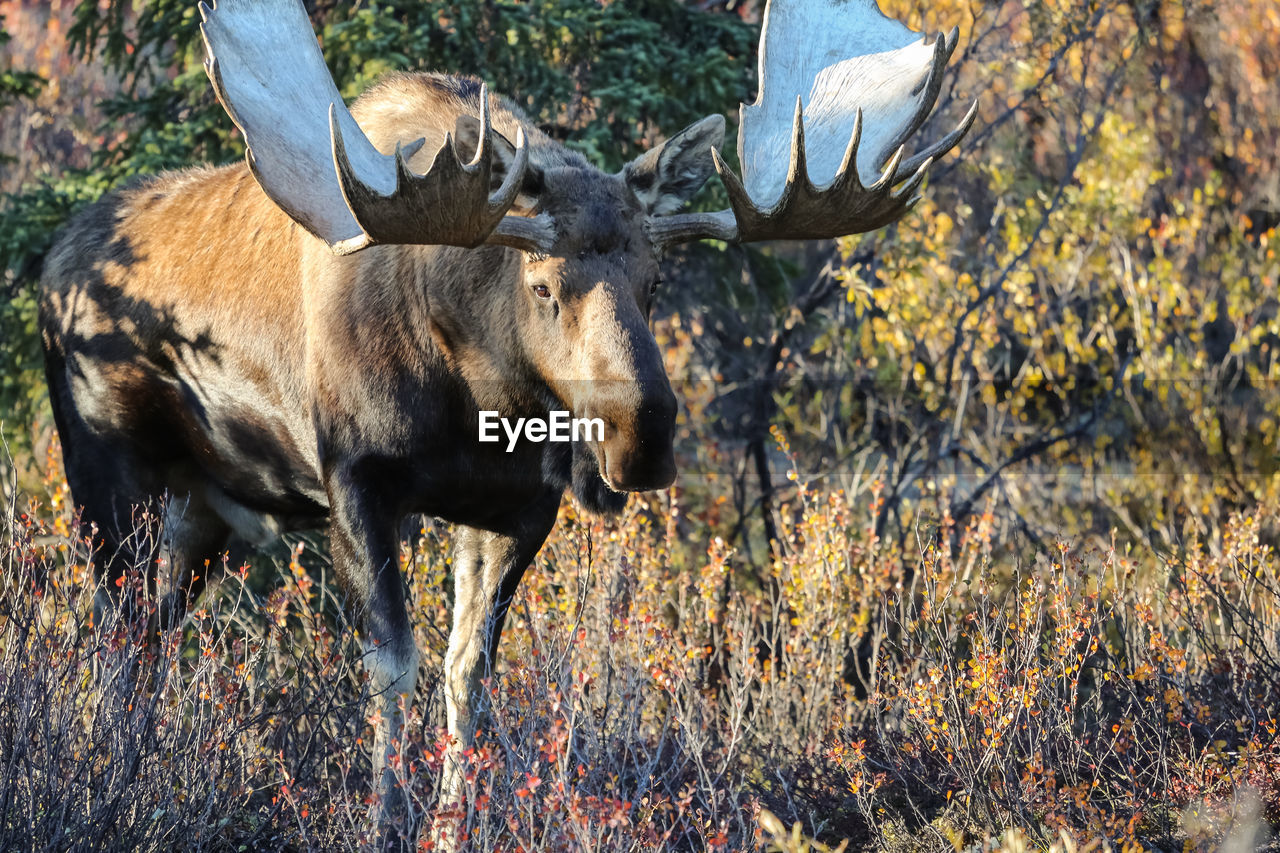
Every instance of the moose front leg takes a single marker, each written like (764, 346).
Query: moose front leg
(365, 549)
(488, 566)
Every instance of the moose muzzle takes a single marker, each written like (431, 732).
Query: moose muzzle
(639, 418)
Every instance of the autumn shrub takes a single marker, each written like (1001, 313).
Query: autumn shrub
(1075, 695)
(653, 692)
(112, 738)
(246, 725)
(1112, 697)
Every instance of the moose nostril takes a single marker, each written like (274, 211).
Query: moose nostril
(661, 405)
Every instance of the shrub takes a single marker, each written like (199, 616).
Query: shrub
(650, 694)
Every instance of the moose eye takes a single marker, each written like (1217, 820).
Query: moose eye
(653, 288)
(542, 291)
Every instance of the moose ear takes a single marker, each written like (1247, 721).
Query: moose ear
(668, 176)
(466, 134)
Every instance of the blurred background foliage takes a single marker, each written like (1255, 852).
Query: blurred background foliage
(1078, 323)
(1077, 326)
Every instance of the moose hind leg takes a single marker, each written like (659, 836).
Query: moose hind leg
(119, 519)
(173, 544)
(193, 545)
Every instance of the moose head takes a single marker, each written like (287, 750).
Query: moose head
(842, 89)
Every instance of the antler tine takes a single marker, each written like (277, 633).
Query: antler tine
(506, 194)
(946, 143)
(798, 170)
(848, 170)
(890, 174)
(909, 188)
(347, 185)
(405, 151)
(269, 74)
(482, 145)
(928, 91)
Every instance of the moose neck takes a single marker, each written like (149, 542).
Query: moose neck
(447, 310)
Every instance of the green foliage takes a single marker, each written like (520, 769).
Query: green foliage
(600, 77)
(15, 83)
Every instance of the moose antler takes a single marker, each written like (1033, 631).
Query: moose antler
(842, 87)
(309, 155)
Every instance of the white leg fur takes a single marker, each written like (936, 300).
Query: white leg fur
(393, 675)
(463, 666)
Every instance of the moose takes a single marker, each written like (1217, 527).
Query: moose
(307, 339)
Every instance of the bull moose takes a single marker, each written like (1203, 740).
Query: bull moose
(309, 339)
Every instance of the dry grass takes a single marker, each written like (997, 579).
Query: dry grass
(651, 697)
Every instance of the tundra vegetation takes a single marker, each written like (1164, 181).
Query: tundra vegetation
(974, 537)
